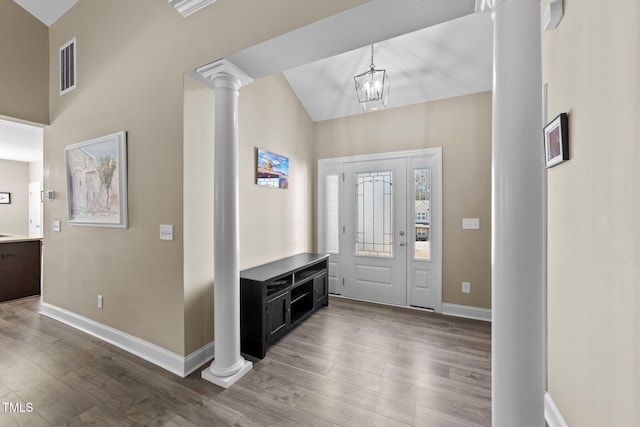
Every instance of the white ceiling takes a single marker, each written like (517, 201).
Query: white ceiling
(432, 49)
(20, 142)
(450, 59)
(47, 11)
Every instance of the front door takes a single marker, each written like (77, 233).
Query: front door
(380, 220)
(375, 231)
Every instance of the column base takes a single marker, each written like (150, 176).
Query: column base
(227, 381)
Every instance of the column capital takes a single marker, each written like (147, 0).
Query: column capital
(487, 6)
(225, 70)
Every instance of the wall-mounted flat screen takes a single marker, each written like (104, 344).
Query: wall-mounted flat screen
(272, 169)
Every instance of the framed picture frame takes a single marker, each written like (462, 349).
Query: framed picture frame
(272, 170)
(5, 198)
(556, 140)
(97, 181)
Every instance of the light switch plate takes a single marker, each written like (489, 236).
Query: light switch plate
(166, 231)
(466, 287)
(470, 223)
(56, 226)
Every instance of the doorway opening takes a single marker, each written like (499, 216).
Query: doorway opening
(21, 152)
(380, 219)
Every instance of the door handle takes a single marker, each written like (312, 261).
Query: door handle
(402, 244)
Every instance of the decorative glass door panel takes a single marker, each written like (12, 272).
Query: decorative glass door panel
(422, 213)
(374, 214)
(422, 276)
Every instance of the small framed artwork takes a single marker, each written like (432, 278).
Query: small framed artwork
(97, 181)
(556, 140)
(5, 198)
(272, 170)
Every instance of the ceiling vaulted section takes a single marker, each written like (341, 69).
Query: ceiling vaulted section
(450, 59)
(47, 11)
(434, 49)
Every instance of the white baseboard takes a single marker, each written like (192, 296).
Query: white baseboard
(174, 363)
(467, 311)
(198, 358)
(552, 415)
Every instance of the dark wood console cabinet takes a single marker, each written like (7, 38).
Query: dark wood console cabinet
(19, 269)
(276, 297)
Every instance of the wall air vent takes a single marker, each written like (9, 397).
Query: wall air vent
(68, 75)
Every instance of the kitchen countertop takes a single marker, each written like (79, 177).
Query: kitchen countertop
(13, 238)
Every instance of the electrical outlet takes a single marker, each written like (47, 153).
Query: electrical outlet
(100, 300)
(466, 287)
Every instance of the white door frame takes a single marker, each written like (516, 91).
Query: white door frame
(35, 209)
(334, 166)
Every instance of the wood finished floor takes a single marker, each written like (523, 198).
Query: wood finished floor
(351, 364)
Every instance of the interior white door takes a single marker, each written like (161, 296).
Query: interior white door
(374, 248)
(35, 210)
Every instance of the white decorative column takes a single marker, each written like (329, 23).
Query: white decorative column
(228, 365)
(517, 216)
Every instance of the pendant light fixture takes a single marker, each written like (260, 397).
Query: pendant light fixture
(372, 87)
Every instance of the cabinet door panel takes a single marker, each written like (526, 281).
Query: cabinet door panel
(320, 291)
(278, 318)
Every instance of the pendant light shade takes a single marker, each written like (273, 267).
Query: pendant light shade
(372, 87)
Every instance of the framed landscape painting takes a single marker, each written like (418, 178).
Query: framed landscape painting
(97, 181)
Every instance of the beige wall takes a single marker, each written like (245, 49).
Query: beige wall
(198, 214)
(14, 179)
(274, 223)
(131, 61)
(462, 127)
(24, 66)
(593, 206)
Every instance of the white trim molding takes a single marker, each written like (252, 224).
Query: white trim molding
(174, 363)
(220, 68)
(466, 311)
(188, 7)
(486, 6)
(552, 414)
